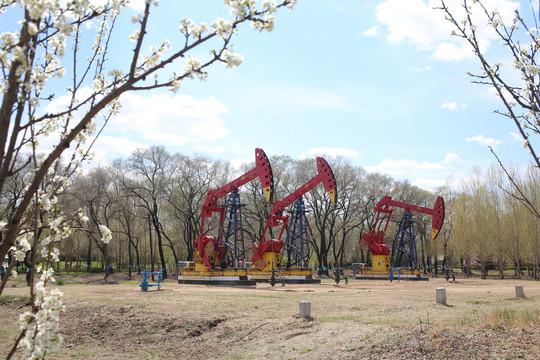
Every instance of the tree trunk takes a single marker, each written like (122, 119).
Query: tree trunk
(106, 262)
(159, 242)
(151, 247)
(130, 259)
(89, 255)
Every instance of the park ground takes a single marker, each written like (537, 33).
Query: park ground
(363, 319)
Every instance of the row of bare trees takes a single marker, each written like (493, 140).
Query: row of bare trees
(152, 201)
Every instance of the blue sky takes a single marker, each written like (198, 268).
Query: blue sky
(381, 83)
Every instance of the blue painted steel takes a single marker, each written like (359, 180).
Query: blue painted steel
(231, 238)
(295, 252)
(145, 284)
(404, 253)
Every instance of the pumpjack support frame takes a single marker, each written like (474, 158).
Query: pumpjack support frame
(221, 260)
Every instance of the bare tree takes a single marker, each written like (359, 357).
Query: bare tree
(93, 193)
(151, 173)
(186, 194)
(30, 62)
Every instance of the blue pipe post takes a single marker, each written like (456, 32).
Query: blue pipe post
(145, 284)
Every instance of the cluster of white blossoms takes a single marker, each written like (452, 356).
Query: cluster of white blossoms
(231, 58)
(150, 60)
(189, 28)
(193, 68)
(41, 328)
(21, 247)
(222, 27)
(241, 8)
(106, 234)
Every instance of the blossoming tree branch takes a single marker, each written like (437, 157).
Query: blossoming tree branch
(47, 51)
(517, 85)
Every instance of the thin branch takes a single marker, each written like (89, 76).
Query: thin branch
(523, 199)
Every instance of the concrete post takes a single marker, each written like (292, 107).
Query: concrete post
(519, 291)
(441, 296)
(305, 309)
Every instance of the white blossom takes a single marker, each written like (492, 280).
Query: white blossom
(193, 68)
(106, 234)
(42, 332)
(21, 247)
(222, 27)
(116, 73)
(231, 58)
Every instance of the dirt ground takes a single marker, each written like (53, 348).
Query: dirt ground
(364, 319)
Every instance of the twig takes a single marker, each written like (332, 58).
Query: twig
(253, 330)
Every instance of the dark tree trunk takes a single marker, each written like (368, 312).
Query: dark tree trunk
(89, 256)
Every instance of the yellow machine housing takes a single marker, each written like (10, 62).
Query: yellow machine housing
(380, 263)
(271, 260)
(380, 269)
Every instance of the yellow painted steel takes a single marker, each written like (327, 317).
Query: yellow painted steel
(434, 233)
(277, 272)
(196, 273)
(381, 263)
(200, 267)
(267, 192)
(332, 195)
(271, 260)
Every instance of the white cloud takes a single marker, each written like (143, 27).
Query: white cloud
(110, 147)
(451, 52)
(484, 141)
(164, 119)
(516, 136)
(453, 106)
(371, 31)
(239, 162)
(429, 183)
(424, 174)
(137, 5)
(417, 69)
(327, 151)
(170, 119)
(451, 158)
(399, 168)
(419, 23)
(403, 167)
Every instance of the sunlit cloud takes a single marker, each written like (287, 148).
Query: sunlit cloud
(371, 31)
(171, 120)
(481, 139)
(422, 25)
(453, 106)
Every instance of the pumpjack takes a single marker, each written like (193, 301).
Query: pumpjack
(288, 261)
(221, 260)
(402, 261)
